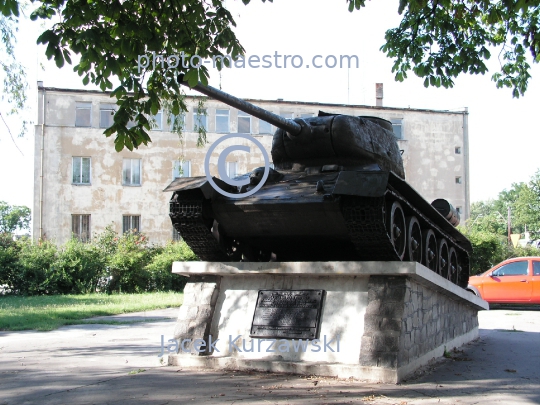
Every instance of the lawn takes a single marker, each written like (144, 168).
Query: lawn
(48, 312)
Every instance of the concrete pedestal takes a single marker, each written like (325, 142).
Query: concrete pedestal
(380, 320)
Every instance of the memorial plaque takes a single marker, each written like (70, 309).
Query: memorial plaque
(287, 314)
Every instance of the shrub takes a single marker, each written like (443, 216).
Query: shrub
(161, 277)
(9, 262)
(36, 261)
(488, 250)
(78, 268)
(127, 264)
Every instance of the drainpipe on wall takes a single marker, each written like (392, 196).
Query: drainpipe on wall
(466, 162)
(42, 153)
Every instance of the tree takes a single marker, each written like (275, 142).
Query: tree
(113, 38)
(14, 218)
(436, 39)
(14, 86)
(440, 39)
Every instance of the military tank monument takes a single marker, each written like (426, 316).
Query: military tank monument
(334, 244)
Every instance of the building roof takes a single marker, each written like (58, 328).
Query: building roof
(279, 101)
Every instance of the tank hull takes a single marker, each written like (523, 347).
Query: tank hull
(325, 216)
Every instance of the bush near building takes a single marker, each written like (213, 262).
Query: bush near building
(109, 263)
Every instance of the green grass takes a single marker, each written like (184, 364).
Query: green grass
(50, 312)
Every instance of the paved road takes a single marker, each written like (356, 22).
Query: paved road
(117, 364)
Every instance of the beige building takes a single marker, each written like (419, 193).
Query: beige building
(82, 185)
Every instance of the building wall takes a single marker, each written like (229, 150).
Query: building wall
(429, 144)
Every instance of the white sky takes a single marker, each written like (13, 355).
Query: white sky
(504, 142)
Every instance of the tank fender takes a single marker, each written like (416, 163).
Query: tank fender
(362, 183)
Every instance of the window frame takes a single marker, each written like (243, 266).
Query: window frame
(80, 182)
(77, 219)
(243, 115)
(107, 107)
(536, 267)
(397, 123)
(228, 115)
(131, 183)
(174, 117)
(130, 227)
(83, 105)
(176, 163)
(271, 130)
(495, 273)
(157, 125)
(196, 120)
(228, 169)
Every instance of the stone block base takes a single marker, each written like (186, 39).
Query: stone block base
(380, 320)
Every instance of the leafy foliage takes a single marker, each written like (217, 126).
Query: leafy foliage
(440, 39)
(487, 227)
(160, 267)
(110, 263)
(15, 84)
(14, 217)
(111, 38)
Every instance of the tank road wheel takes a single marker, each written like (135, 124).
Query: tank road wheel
(430, 250)
(453, 266)
(396, 229)
(444, 261)
(414, 240)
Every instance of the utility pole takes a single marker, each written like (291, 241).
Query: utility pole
(509, 223)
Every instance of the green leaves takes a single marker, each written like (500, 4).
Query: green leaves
(9, 8)
(112, 37)
(441, 39)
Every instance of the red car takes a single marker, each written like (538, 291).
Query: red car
(512, 281)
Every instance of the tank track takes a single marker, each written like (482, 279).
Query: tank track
(186, 212)
(367, 223)
(365, 218)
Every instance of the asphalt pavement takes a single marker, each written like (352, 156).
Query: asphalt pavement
(120, 363)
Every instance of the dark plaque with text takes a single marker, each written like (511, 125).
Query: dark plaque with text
(287, 314)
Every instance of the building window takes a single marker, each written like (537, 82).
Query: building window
(458, 179)
(131, 172)
(131, 223)
(200, 120)
(265, 127)
(81, 170)
(222, 121)
(157, 121)
(83, 114)
(286, 114)
(106, 115)
(181, 169)
(397, 126)
(176, 235)
(244, 123)
(80, 227)
(458, 150)
(232, 169)
(178, 122)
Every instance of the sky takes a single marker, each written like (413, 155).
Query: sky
(504, 140)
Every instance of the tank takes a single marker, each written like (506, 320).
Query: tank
(337, 193)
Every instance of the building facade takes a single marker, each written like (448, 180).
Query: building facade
(82, 185)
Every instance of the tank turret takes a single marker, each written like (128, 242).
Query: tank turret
(351, 142)
(338, 192)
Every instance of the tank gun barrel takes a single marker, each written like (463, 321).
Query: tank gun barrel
(290, 126)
